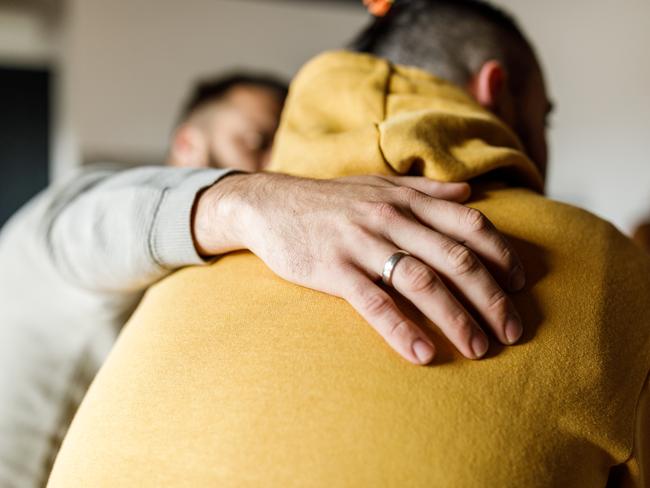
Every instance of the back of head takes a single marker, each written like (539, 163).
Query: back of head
(449, 38)
(476, 46)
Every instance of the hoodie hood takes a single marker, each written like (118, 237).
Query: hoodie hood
(350, 114)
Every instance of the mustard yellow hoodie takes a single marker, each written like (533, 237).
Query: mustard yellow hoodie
(276, 385)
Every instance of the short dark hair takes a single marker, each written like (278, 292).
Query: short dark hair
(449, 38)
(214, 89)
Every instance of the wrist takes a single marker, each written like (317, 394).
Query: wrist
(219, 213)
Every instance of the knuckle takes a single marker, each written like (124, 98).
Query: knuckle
(508, 255)
(406, 193)
(475, 220)
(355, 235)
(462, 260)
(400, 329)
(384, 211)
(498, 302)
(376, 303)
(419, 278)
(461, 324)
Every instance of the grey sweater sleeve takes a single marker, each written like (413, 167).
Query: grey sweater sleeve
(74, 262)
(122, 231)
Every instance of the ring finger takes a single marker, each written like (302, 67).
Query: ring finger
(422, 286)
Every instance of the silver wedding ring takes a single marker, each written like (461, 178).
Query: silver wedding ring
(389, 266)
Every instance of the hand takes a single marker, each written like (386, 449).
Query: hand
(336, 235)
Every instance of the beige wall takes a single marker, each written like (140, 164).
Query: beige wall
(597, 56)
(27, 37)
(129, 62)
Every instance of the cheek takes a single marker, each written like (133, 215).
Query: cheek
(224, 144)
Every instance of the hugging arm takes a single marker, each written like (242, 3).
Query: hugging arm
(336, 235)
(121, 232)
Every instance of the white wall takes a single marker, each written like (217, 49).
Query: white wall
(129, 62)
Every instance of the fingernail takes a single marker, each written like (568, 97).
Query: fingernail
(513, 329)
(517, 279)
(423, 351)
(479, 345)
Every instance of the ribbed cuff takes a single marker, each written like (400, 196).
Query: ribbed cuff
(172, 243)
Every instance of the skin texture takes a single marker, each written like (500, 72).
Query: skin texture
(335, 236)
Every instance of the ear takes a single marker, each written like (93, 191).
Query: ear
(488, 86)
(189, 148)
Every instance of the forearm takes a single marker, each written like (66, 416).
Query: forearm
(124, 231)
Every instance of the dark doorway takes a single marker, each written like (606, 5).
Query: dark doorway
(24, 136)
